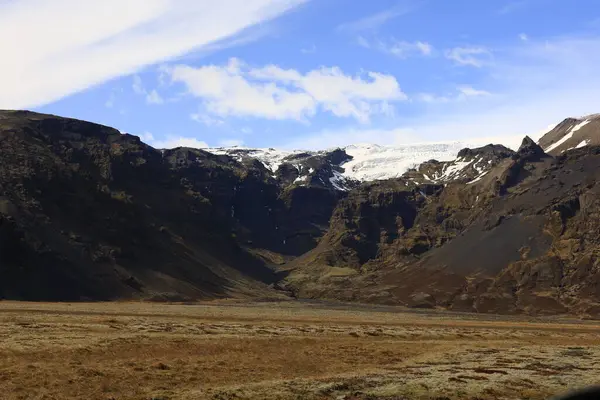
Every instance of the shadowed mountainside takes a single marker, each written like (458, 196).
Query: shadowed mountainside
(88, 212)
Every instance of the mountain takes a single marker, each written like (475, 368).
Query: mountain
(572, 133)
(89, 213)
(349, 165)
(523, 238)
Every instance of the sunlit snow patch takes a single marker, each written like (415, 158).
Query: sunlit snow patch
(373, 162)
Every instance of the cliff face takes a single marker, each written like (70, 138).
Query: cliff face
(87, 212)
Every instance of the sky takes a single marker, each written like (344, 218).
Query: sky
(304, 74)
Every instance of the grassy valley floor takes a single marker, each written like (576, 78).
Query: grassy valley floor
(288, 350)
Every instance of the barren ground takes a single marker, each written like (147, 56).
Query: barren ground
(285, 350)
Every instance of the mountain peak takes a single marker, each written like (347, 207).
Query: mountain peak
(530, 150)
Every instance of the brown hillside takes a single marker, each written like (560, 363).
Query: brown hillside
(526, 238)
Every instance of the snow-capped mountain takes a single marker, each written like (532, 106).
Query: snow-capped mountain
(428, 163)
(345, 167)
(372, 162)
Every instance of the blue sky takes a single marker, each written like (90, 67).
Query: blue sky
(302, 73)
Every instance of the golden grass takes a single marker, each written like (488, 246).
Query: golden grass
(290, 350)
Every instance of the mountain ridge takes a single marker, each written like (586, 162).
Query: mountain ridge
(87, 212)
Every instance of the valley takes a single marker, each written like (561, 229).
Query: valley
(299, 200)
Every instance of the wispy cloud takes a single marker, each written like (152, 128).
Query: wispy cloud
(523, 37)
(462, 93)
(112, 98)
(476, 56)
(137, 85)
(470, 91)
(272, 92)
(375, 20)
(363, 42)
(110, 103)
(397, 48)
(152, 97)
(81, 44)
(207, 119)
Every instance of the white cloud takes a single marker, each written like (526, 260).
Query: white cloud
(469, 91)
(403, 49)
(72, 45)
(272, 92)
(424, 47)
(473, 56)
(172, 141)
(373, 21)
(433, 98)
(523, 37)
(206, 119)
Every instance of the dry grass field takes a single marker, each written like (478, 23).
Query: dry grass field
(285, 350)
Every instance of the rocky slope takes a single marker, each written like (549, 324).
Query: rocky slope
(523, 238)
(89, 213)
(572, 133)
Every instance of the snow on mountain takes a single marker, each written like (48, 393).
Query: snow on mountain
(372, 162)
(470, 166)
(567, 136)
(368, 161)
(271, 158)
(572, 133)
